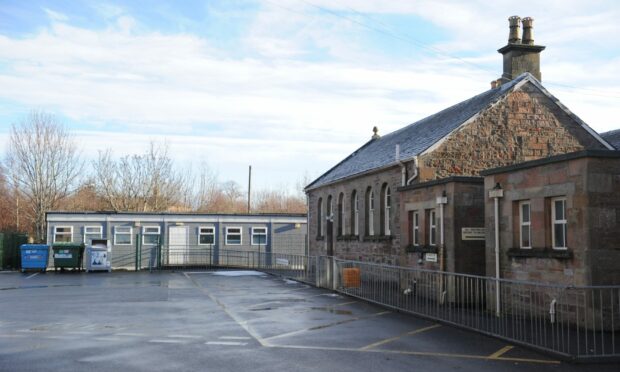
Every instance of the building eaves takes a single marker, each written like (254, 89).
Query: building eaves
(553, 159)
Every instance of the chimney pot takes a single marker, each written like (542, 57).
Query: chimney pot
(494, 84)
(528, 31)
(514, 36)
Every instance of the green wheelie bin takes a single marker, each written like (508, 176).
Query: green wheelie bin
(68, 256)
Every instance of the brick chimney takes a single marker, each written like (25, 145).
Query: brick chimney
(521, 55)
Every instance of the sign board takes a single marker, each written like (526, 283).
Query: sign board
(281, 261)
(473, 233)
(431, 257)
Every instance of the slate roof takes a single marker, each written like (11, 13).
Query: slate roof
(613, 137)
(415, 138)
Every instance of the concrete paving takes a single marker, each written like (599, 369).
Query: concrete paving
(228, 321)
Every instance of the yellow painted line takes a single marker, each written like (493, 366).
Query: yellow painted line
(501, 352)
(325, 326)
(418, 353)
(392, 339)
(345, 303)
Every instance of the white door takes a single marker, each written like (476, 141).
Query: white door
(177, 242)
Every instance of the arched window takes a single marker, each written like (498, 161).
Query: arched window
(319, 218)
(370, 212)
(387, 196)
(341, 214)
(330, 210)
(355, 214)
(386, 203)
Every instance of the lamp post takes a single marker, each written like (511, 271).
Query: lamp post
(442, 200)
(496, 193)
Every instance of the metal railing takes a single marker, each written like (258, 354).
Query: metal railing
(573, 322)
(581, 323)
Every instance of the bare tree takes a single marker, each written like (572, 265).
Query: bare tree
(147, 182)
(207, 189)
(43, 163)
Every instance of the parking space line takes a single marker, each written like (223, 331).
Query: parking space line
(345, 303)
(501, 352)
(392, 339)
(33, 275)
(418, 353)
(226, 343)
(167, 341)
(131, 334)
(325, 325)
(234, 317)
(235, 338)
(185, 336)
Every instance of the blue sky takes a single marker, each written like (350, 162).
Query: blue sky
(289, 86)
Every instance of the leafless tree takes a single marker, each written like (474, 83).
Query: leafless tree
(43, 163)
(207, 189)
(147, 182)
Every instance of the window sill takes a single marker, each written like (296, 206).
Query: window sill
(348, 238)
(421, 249)
(378, 238)
(540, 253)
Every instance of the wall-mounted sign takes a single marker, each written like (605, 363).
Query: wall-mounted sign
(430, 257)
(473, 233)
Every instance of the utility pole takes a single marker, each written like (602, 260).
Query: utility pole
(249, 188)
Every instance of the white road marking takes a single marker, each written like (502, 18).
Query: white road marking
(61, 337)
(168, 341)
(131, 334)
(235, 338)
(113, 339)
(226, 343)
(184, 336)
(35, 274)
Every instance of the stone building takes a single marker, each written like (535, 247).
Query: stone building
(558, 219)
(416, 197)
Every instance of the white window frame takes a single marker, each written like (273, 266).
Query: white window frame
(255, 234)
(63, 233)
(86, 233)
(200, 233)
(523, 223)
(388, 197)
(432, 227)
(240, 235)
(371, 213)
(416, 228)
(555, 222)
(123, 233)
(356, 222)
(144, 233)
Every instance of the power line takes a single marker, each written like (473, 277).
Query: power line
(435, 50)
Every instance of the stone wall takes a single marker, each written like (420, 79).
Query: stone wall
(464, 208)
(378, 248)
(590, 186)
(525, 125)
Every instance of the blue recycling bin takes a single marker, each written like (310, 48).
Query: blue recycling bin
(34, 256)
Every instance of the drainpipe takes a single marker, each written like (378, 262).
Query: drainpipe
(442, 200)
(403, 168)
(415, 171)
(307, 250)
(496, 193)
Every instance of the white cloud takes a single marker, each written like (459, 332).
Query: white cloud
(55, 16)
(275, 108)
